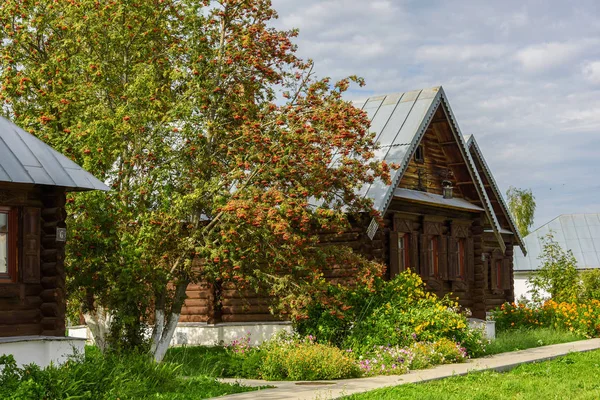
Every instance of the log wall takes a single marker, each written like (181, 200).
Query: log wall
(211, 304)
(35, 303)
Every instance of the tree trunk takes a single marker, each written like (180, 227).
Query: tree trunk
(159, 321)
(99, 321)
(162, 335)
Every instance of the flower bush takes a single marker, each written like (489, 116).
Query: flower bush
(291, 357)
(399, 312)
(580, 317)
(395, 360)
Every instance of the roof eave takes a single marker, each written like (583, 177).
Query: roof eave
(487, 205)
(488, 173)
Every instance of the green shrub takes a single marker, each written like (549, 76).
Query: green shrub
(523, 315)
(581, 318)
(288, 357)
(590, 282)
(558, 275)
(396, 313)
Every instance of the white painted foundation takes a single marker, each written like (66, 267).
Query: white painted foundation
(194, 334)
(41, 350)
(203, 334)
(488, 327)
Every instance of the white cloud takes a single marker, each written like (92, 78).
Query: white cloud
(545, 56)
(459, 53)
(516, 20)
(591, 71)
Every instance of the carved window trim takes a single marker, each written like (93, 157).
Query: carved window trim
(11, 241)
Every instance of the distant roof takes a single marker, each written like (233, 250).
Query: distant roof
(472, 143)
(26, 159)
(579, 233)
(435, 199)
(399, 121)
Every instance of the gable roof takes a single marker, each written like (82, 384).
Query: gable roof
(579, 233)
(472, 144)
(26, 159)
(399, 122)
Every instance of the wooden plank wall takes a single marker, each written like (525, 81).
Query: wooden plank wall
(432, 171)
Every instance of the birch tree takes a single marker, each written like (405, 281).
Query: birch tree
(521, 204)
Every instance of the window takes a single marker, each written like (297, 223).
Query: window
(404, 252)
(462, 258)
(434, 265)
(498, 274)
(419, 154)
(8, 244)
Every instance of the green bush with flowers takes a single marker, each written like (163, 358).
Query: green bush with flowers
(295, 358)
(398, 312)
(395, 360)
(581, 317)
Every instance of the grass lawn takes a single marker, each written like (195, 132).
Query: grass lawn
(200, 388)
(575, 376)
(203, 361)
(521, 339)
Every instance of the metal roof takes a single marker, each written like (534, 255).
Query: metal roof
(472, 143)
(26, 159)
(435, 199)
(579, 233)
(399, 122)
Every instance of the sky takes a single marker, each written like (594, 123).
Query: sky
(522, 76)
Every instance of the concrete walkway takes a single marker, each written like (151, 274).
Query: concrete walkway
(322, 390)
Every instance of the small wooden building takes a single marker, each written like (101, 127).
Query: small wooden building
(444, 215)
(33, 181)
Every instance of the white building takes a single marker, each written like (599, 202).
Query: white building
(579, 233)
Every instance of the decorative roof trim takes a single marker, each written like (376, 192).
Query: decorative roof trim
(440, 98)
(487, 205)
(472, 142)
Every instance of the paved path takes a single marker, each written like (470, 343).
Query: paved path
(334, 389)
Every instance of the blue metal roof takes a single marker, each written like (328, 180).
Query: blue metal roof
(26, 159)
(399, 122)
(579, 233)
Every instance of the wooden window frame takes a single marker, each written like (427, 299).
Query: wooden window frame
(433, 252)
(499, 274)
(461, 257)
(420, 154)
(13, 233)
(404, 251)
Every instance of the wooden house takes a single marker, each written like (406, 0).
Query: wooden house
(33, 181)
(444, 215)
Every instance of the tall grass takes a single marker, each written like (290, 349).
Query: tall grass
(526, 338)
(96, 376)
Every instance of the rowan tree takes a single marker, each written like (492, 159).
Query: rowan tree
(225, 155)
